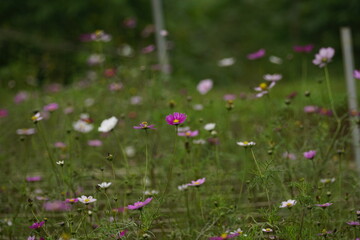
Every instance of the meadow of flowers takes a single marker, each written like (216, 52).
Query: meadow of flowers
(123, 154)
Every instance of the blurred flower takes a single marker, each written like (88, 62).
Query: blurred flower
(197, 182)
(100, 36)
(130, 151)
(357, 74)
(310, 154)
(214, 140)
(148, 49)
(151, 192)
(94, 143)
(144, 125)
(264, 88)
(199, 141)
(275, 60)
(204, 86)
(60, 145)
(125, 50)
(68, 110)
(37, 225)
(176, 118)
(31, 238)
(86, 200)
(226, 62)
(71, 200)
(136, 100)
(259, 54)
(139, 205)
(53, 87)
(324, 205)
(147, 31)
(353, 223)
(224, 236)
(183, 187)
(327, 180)
(115, 86)
(306, 48)
(56, 206)
(267, 230)
(121, 234)
(104, 185)
(229, 97)
(311, 109)
(164, 33)
(198, 107)
(21, 97)
(26, 131)
(82, 126)
(290, 156)
(189, 133)
(51, 107)
(33, 179)
(288, 204)
(89, 102)
(61, 163)
(108, 124)
(3, 113)
(110, 72)
(37, 117)
(272, 77)
(324, 56)
(238, 231)
(129, 23)
(246, 144)
(325, 232)
(210, 126)
(95, 59)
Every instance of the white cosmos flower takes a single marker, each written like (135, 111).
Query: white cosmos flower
(267, 230)
(327, 180)
(199, 141)
(104, 184)
(151, 192)
(25, 131)
(82, 126)
(130, 151)
(61, 163)
(246, 144)
(86, 200)
(108, 124)
(288, 204)
(183, 187)
(226, 62)
(210, 126)
(272, 77)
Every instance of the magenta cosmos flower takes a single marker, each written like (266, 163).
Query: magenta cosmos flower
(310, 154)
(224, 236)
(324, 205)
(259, 54)
(37, 225)
(144, 125)
(3, 113)
(95, 143)
(139, 205)
(324, 56)
(189, 133)
(357, 74)
(353, 223)
(33, 179)
(176, 118)
(56, 206)
(51, 107)
(71, 200)
(197, 182)
(306, 48)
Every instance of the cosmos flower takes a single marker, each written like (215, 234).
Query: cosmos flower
(324, 57)
(129, 23)
(204, 86)
(71, 200)
(139, 205)
(357, 74)
(327, 180)
(145, 126)
(37, 225)
(136, 100)
(197, 182)
(272, 77)
(94, 143)
(34, 179)
(267, 230)
(61, 163)
(229, 97)
(95, 59)
(104, 185)
(306, 48)
(25, 131)
(210, 126)
(275, 60)
(121, 234)
(323, 205)
(256, 55)
(82, 126)
(310, 154)
(189, 133)
(288, 204)
(183, 187)
(37, 117)
(311, 109)
(60, 145)
(148, 49)
(353, 223)
(3, 113)
(246, 144)
(225, 236)
(86, 200)
(264, 88)
(199, 141)
(176, 118)
(115, 86)
(151, 192)
(226, 62)
(100, 36)
(288, 155)
(56, 206)
(51, 107)
(21, 97)
(108, 124)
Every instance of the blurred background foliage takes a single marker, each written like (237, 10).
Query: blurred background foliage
(41, 39)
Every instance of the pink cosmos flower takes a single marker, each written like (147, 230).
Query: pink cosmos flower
(259, 54)
(145, 126)
(311, 109)
(204, 86)
(324, 205)
(110, 72)
(136, 100)
(98, 36)
(148, 49)
(189, 133)
(37, 225)
(68, 110)
(139, 205)
(230, 97)
(56, 206)
(3, 113)
(121, 234)
(306, 48)
(224, 236)
(95, 143)
(60, 145)
(34, 179)
(310, 154)
(197, 182)
(53, 87)
(51, 107)
(21, 97)
(176, 118)
(324, 56)
(353, 223)
(71, 200)
(357, 74)
(264, 88)
(288, 155)
(115, 87)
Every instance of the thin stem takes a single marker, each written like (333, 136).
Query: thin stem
(327, 78)
(146, 161)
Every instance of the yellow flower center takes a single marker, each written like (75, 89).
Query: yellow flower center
(145, 124)
(176, 121)
(268, 229)
(87, 200)
(324, 59)
(224, 235)
(34, 118)
(187, 133)
(246, 142)
(98, 33)
(289, 204)
(263, 86)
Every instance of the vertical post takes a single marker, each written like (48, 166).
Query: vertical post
(351, 88)
(160, 37)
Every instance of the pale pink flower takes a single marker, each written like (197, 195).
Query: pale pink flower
(204, 86)
(259, 54)
(324, 56)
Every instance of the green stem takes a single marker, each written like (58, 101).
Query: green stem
(146, 162)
